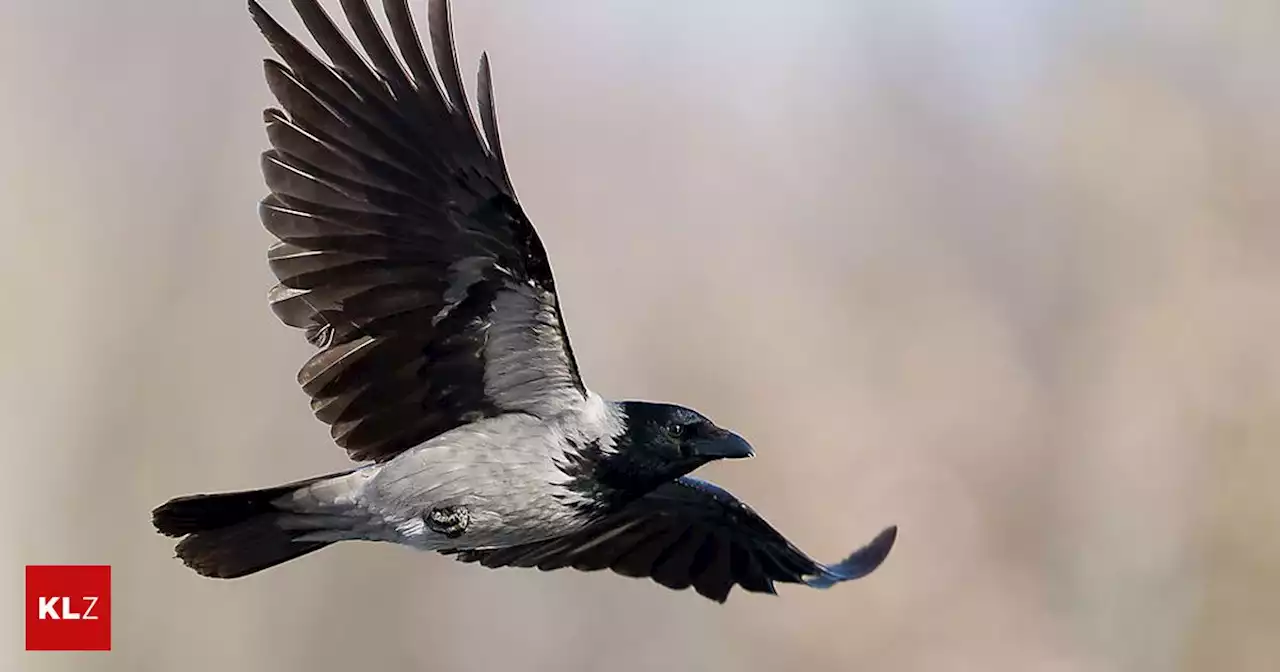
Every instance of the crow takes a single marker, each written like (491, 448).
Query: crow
(442, 363)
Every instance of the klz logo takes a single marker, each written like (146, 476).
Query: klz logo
(49, 606)
(68, 607)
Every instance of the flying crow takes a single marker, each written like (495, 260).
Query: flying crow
(442, 365)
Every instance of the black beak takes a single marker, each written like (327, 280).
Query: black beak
(724, 445)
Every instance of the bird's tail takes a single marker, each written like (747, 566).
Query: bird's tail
(232, 534)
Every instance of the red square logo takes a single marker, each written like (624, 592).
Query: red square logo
(68, 607)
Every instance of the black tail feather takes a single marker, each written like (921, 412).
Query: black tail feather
(199, 513)
(233, 534)
(244, 548)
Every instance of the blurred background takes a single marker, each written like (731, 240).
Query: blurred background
(1006, 274)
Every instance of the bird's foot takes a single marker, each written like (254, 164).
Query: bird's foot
(451, 521)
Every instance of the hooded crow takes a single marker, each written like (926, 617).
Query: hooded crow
(442, 364)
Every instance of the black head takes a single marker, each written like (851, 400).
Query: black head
(663, 442)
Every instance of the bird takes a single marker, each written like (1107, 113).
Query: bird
(441, 360)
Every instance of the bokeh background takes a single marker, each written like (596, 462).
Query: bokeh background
(1006, 274)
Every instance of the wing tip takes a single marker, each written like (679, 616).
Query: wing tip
(261, 17)
(860, 563)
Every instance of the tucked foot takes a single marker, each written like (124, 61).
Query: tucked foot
(451, 521)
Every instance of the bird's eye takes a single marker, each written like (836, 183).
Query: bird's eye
(679, 435)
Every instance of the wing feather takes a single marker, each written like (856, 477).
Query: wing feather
(403, 252)
(690, 533)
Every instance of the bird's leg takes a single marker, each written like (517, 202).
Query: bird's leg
(451, 521)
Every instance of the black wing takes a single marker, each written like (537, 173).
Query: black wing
(690, 533)
(403, 252)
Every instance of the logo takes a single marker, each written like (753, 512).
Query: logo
(68, 607)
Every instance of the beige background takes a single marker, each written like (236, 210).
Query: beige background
(1006, 274)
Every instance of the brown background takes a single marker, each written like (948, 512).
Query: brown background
(1006, 274)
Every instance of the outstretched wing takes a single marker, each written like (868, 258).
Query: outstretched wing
(690, 533)
(402, 250)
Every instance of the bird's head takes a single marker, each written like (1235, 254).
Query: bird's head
(662, 442)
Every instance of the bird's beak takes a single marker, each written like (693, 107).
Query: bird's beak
(726, 445)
